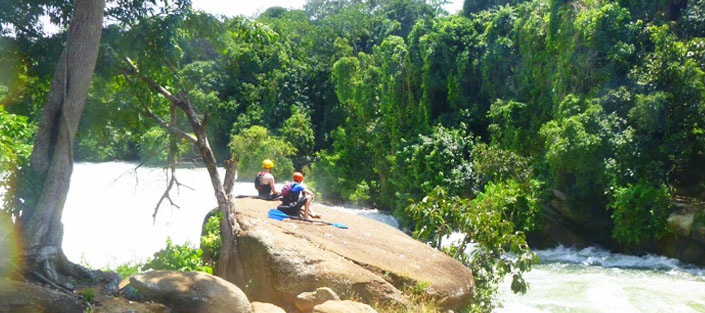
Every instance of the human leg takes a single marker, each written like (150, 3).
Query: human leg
(308, 212)
(289, 209)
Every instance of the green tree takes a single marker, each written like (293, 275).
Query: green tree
(298, 131)
(498, 249)
(254, 144)
(639, 212)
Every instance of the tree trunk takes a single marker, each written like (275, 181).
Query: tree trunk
(51, 162)
(226, 204)
(229, 228)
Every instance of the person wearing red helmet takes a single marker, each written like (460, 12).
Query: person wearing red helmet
(294, 196)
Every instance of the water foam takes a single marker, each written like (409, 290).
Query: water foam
(594, 256)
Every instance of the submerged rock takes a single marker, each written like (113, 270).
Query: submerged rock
(371, 260)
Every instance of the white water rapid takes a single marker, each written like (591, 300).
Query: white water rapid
(108, 221)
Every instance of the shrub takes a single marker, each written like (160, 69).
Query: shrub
(15, 139)
(178, 258)
(639, 212)
(127, 269)
(254, 144)
(298, 132)
(500, 249)
(443, 158)
(154, 145)
(210, 240)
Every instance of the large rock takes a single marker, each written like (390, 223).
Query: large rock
(347, 306)
(191, 292)
(371, 260)
(571, 225)
(307, 300)
(107, 304)
(681, 223)
(17, 297)
(260, 307)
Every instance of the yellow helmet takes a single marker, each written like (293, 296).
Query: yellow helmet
(267, 163)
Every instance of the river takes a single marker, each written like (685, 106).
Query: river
(108, 221)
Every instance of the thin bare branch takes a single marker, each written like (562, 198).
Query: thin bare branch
(170, 127)
(154, 85)
(147, 111)
(165, 195)
(178, 185)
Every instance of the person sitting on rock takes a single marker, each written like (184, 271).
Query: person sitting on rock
(264, 181)
(294, 196)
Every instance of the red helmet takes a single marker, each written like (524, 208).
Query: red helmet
(298, 177)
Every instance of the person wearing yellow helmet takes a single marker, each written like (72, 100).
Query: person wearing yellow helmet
(264, 181)
(295, 196)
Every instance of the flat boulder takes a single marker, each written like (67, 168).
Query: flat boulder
(345, 306)
(370, 260)
(261, 307)
(307, 300)
(191, 292)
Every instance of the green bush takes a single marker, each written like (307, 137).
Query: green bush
(128, 269)
(172, 257)
(210, 240)
(178, 258)
(639, 212)
(492, 163)
(15, 148)
(577, 142)
(500, 248)
(339, 173)
(443, 158)
(297, 131)
(154, 145)
(254, 144)
(15, 135)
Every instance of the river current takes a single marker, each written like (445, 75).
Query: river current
(108, 221)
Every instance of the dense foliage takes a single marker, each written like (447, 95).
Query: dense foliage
(172, 257)
(496, 249)
(492, 113)
(178, 258)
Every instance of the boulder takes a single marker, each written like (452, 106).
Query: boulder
(107, 304)
(191, 292)
(23, 297)
(681, 223)
(567, 225)
(307, 300)
(347, 306)
(371, 260)
(260, 307)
